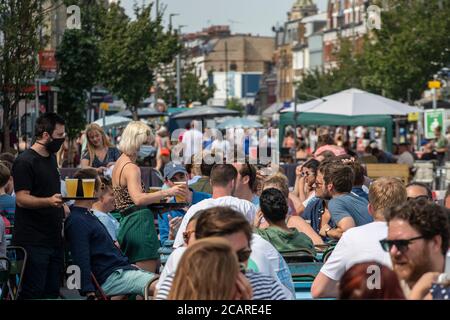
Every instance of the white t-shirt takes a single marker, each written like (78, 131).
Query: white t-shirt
(359, 244)
(270, 262)
(245, 207)
(266, 258)
(192, 143)
(171, 265)
(307, 201)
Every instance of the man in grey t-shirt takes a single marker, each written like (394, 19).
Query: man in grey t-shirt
(347, 210)
(349, 205)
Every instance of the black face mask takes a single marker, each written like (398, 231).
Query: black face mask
(54, 145)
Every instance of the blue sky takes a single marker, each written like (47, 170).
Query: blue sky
(244, 16)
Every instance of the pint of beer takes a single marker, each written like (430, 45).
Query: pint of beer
(180, 199)
(88, 187)
(71, 187)
(154, 189)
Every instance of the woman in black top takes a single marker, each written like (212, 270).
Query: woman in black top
(100, 153)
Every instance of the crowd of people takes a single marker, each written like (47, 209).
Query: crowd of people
(233, 229)
(367, 145)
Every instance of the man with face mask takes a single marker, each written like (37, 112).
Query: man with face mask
(39, 210)
(223, 183)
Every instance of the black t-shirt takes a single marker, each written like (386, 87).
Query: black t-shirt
(40, 176)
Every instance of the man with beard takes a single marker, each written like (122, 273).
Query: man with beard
(335, 182)
(223, 182)
(418, 239)
(39, 211)
(362, 243)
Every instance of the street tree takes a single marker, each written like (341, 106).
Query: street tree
(398, 60)
(192, 87)
(130, 52)
(412, 45)
(77, 57)
(20, 43)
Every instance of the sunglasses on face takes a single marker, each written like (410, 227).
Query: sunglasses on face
(401, 245)
(418, 198)
(243, 254)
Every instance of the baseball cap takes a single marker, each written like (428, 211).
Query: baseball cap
(172, 169)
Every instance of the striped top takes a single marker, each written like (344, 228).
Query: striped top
(264, 287)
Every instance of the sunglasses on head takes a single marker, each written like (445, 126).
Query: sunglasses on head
(244, 254)
(401, 245)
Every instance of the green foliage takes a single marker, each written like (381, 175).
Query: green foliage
(93, 14)
(19, 25)
(130, 51)
(192, 89)
(412, 45)
(77, 57)
(234, 104)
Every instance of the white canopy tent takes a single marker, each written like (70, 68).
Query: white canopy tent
(354, 102)
(113, 121)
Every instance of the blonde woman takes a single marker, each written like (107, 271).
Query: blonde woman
(213, 257)
(137, 235)
(100, 153)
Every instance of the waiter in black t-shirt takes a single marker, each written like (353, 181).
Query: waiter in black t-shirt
(39, 211)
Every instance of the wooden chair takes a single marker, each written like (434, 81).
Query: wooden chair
(379, 170)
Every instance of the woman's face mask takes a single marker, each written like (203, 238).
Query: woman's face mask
(146, 151)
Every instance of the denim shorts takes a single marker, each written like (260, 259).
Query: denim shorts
(123, 282)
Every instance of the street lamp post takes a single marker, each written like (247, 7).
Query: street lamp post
(226, 73)
(170, 19)
(179, 71)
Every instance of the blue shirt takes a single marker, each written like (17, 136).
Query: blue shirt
(111, 224)
(255, 201)
(8, 207)
(92, 248)
(163, 220)
(313, 213)
(350, 205)
(359, 191)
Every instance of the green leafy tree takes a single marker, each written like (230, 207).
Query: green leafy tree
(348, 74)
(77, 57)
(130, 51)
(19, 46)
(192, 88)
(412, 45)
(234, 104)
